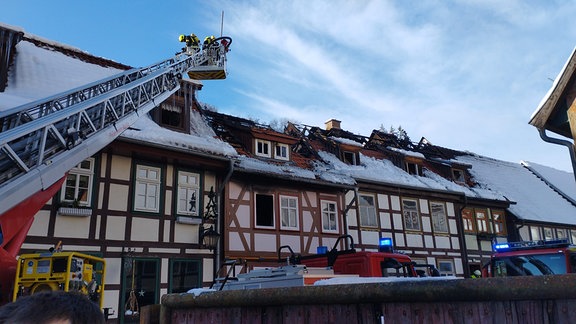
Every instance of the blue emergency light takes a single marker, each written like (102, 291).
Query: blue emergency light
(385, 244)
(501, 246)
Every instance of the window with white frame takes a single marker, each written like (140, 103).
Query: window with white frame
(535, 233)
(288, 212)
(147, 192)
(411, 215)
(263, 148)
(446, 267)
(561, 233)
(438, 213)
(367, 211)
(482, 224)
(573, 236)
(499, 222)
(188, 199)
(349, 157)
(548, 233)
(282, 151)
(329, 216)
(77, 188)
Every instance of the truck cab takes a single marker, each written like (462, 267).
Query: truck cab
(532, 258)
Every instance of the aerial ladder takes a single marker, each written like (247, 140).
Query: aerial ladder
(41, 141)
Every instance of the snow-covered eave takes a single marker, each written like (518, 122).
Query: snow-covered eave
(541, 115)
(292, 178)
(460, 195)
(205, 154)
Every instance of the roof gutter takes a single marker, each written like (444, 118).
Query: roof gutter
(558, 141)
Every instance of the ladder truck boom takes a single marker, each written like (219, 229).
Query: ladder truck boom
(41, 141)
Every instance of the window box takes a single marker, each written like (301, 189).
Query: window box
(73, 211)
(189, 220)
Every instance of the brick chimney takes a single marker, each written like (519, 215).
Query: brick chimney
(332, 123)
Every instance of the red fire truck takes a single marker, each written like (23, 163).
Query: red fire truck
(384, 263)
(532, 258)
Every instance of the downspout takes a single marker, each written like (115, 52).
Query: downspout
(460, 226)
(345, 214)
(219, 221)
(558, 141)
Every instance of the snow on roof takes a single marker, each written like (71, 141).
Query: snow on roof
(535, 201)
(202, 138)
(406, 152)
(42, 72)
(384, 171)
(562, 181)
(346, 141)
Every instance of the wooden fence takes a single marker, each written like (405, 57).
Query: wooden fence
(544, 299)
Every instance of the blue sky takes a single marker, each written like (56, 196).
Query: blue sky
(464, 74)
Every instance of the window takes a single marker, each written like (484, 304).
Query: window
(439, 221)
(281, 152)
(147, 192)
(349, 157)
(264, 210)
(573, 236)
(468, 220)
(329, 216)
(458, 175)
(184, 275)
(499, 223)
(288, 212)
(263, 148)
(561, 233)
(77, 188)
(446, 267)
(411, 216)
(548, 234)
(535, 233)
(188, 193)
(367, 211)
(413, 168)
(482, 221)
(171, 115)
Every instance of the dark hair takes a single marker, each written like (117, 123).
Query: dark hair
(48, 306)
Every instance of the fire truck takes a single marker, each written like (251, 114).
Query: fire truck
(301, 270)
(384, 263)
(531, 258)
(41, 141)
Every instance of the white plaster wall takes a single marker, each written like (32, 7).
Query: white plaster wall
(455, 243)
(243, 216)
(120, 168)
(40, 224)
(452, 226)
(429, 241)
(399, 240)
(72, 226)
(307, 222)
(426, 224)
(414, 240)
(113, 271)
(235, 244)
(385, 221)
(115, 227)
(293, 241)
(442, 242)
(185, 233)
(351, 218)
(383, 201)
(398, 221)
(145, 229)
(395, 201)
(265, 242)
(207, 269)
(424, 206)
(450, 209)
(118, 199)
(370, 237)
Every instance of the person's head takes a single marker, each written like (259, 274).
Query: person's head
(52, 307)
(477, 273)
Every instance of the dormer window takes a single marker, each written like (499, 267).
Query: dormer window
(281, 152)
(458, 175)
(350, 158)
(413, 168)
(263, 148)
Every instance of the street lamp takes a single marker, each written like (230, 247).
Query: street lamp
(208, 237)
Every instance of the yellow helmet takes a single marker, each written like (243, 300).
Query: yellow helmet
(181, 38)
